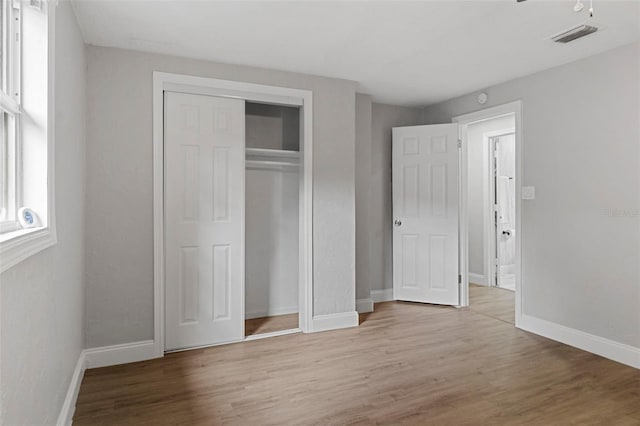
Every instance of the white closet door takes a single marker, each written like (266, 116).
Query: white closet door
(425, 211)
(204, 220)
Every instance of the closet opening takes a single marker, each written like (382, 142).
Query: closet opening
(273, 188)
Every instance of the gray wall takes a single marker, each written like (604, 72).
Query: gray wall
(119, 187)
(383, 119)
(363, 195)
(42, 297)
(272, 126)
(271, 236)
(581, 235)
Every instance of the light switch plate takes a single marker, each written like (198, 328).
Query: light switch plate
(528, 192)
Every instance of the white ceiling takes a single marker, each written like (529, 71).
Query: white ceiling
(405, 53)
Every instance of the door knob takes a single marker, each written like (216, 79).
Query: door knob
(397, 222)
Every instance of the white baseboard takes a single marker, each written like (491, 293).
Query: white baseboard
(364, 305)
(385, 295)
(477, 279)
(69, 405)
(610, 349)
(120, 354)
(334, 321)
(271, 312)
(101, 357)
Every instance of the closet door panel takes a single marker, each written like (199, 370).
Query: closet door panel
(204, 220)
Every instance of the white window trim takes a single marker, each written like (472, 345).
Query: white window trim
(10, 103)
(17, 246)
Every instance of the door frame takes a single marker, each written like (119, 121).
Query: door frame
(490, 232)
(463, 121)
(249, 92)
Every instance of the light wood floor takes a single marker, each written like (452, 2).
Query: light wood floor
(406, 364)
(270, 324)
(495, 302)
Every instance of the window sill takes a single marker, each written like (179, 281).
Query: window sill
(16, 246)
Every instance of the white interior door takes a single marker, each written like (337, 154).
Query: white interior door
(505, 209)
(204, 220)
(425, 212)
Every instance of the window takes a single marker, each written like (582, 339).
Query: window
(26, 130)
(10, 115)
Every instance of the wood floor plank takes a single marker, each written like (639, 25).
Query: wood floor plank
(407, 364)
(495, 302)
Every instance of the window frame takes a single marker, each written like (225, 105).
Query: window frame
(12, 171)
(10, 105)
(17, 246)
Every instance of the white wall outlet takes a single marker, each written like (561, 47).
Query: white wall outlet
(528, 192)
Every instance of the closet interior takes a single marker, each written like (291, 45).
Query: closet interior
(272, 193)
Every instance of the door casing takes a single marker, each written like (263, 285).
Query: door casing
(463, 121)
(248, 92)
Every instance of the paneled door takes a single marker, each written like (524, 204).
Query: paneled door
(505, 209)
(425, 214)
(204, 220)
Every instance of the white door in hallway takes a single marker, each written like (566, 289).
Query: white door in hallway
(504, 158)
(204, 220)
(425, 213)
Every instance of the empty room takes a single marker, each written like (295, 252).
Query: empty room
(319, 212)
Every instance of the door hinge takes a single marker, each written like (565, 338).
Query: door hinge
(459, 279)
(459, 143)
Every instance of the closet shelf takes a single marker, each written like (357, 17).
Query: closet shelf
(277, 153)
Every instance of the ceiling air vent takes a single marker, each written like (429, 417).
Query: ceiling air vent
(574, 33)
